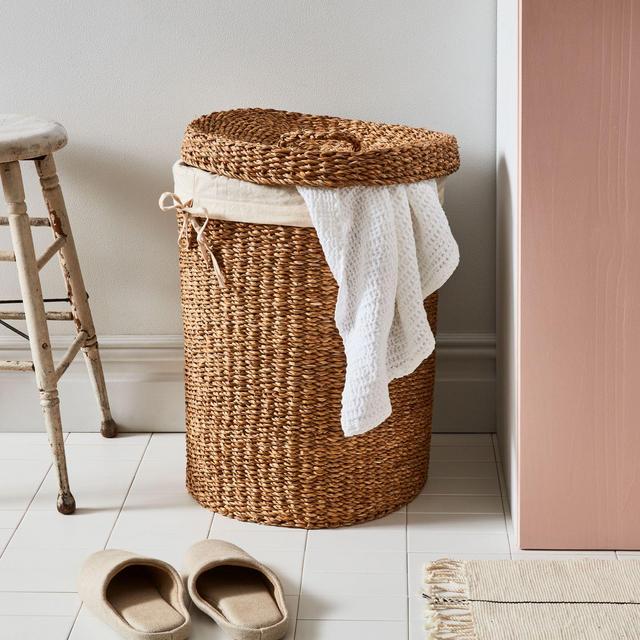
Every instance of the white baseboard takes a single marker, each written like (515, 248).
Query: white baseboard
(465, 395)
(145, 382)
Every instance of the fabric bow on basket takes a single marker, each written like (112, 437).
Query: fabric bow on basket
(190, 219)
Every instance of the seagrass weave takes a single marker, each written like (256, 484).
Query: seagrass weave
(267, 146)
(264, 373)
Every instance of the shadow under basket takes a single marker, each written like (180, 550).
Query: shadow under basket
(264, 374)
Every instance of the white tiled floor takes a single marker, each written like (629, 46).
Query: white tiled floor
(354, 583)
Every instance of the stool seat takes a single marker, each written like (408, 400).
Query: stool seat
(26, 137)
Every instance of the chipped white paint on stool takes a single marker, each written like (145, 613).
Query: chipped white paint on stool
(26, 138)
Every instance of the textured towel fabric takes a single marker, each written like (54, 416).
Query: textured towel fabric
(388, 249)
(533, 599)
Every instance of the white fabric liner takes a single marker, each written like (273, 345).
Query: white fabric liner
(388, 249)
(239, 201)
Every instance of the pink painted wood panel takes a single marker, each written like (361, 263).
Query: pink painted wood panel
(580, 275)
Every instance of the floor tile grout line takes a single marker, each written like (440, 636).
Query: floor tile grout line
(461, 477)
(213, 515)
(40, 615)
(503, 492)
(463, 495)
(113, 526)
(462, 433)
(304, 560)
(406, 560)
(126, 495)
(75, 619)
(355, 620)
(33, 497)
(40, 591)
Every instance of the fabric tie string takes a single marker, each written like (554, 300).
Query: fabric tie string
(190, 219)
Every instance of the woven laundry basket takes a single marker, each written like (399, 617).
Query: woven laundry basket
(264, 363)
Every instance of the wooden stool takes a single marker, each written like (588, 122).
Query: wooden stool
(27, 138)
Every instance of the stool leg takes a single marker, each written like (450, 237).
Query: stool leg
(37, 325)
(75, 287)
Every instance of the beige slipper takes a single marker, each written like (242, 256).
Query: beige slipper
(140, 598)
(240, 594)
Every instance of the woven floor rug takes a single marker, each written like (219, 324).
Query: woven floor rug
(533, 599)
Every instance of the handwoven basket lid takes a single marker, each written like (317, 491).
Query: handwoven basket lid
(267, 146)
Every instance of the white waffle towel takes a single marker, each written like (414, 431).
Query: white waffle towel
(388, 249)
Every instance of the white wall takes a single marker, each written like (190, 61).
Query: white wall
(126, 77)
(508, 238)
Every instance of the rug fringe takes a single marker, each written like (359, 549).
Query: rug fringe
(448, 612)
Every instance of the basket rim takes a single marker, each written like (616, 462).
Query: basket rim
(404, 154)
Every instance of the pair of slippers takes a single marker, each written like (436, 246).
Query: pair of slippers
(145, 599)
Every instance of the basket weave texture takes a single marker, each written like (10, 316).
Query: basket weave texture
(264, 375)
(267, 146)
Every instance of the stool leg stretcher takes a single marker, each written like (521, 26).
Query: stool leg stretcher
(47, 373)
